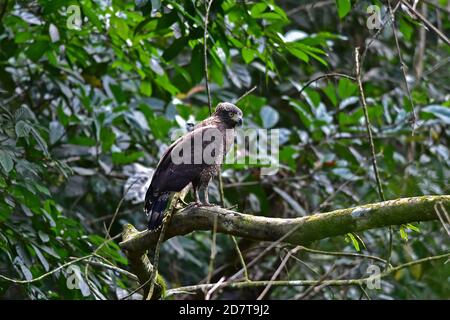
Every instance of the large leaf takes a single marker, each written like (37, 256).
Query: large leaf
(6, 160)
(269, 116)
(438, 111)
(343, 7)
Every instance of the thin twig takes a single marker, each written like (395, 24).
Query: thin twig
(208, 92)
(277, 272)
(221, 193)
(364, 293)
(437, 6)
(309, 6)
(441, 217)
(107, 235)
(328, 75)
(155, 263)
(302, 283)
(213, 289)
(212, 256)
(372, 146)
(266, 250)
(244, 95)
(205, 54)
(317, 285)
(427, 23)
(141, 286)
(18, 281)
(343, 254)
(112, 267)
(403, 68)
(368, 125)
(118, 207)
(375, 36)
(420, 48)
(241, 258)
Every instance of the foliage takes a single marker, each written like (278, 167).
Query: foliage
(87, 110)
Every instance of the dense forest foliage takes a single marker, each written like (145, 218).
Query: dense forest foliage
(93, 91)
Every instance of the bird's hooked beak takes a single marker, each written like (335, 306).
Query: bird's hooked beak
(237, 119)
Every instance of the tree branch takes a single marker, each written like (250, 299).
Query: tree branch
(301, 230)
(304, 283)
(427, 23)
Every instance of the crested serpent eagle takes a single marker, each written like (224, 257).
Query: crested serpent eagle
(194, 158)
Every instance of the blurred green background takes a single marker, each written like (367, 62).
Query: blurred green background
(91, 92)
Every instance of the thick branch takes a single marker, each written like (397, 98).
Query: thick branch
(302, 230)
(141, 266)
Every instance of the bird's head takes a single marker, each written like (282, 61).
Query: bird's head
(229, 113)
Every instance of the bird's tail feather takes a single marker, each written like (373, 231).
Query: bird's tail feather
(155, 206)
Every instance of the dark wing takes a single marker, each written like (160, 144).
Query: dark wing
(170, 176)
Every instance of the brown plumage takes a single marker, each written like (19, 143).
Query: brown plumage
(194, 158)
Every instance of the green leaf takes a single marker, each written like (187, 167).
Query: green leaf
(120, 27)
(248, 55)
(56, 131)
(156, 4)
(6, 161)
(118, 93)
(354, 241)
(438, 111)
(413, 227)
(164, 83)
(196, 67)
(146, 88)
(269, 16)
(42, 189)
(5, 211)
(40, 141)
(406, 29)
(299, 54)
(160, 126)
(346, 88)
(330, 91)
(257, 9)
(269, 116)
(25, 271)
(403, 233)
(123, 158)
(107, 137)
(37, 50)
(41, 258)
(343, 7)
(22, 129)
(174, 49)
(303, 113)
(2, 182)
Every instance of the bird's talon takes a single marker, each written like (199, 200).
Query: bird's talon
(194, 204)
(210, 205)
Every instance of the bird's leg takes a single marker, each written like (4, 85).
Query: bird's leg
(206, 195)
(197, 196)
(206, 202)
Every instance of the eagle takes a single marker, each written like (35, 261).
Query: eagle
(194, 158)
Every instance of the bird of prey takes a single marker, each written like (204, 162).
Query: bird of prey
(194, 158)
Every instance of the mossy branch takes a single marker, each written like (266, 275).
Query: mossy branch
(299, 230)
(141, 266)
